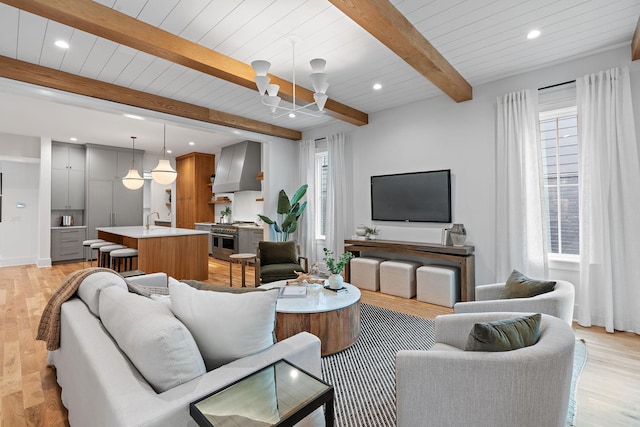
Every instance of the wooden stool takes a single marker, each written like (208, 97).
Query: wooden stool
(243, 259)
(122, 256)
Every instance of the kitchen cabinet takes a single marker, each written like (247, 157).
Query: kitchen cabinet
(206, 227)
(67, 176)
(109, 163)
(109, 202)
(193, 189)
(248, 239)
(66, 243)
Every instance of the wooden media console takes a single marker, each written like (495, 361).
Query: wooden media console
(461, 256)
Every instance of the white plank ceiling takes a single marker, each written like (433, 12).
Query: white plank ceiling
(483, 39)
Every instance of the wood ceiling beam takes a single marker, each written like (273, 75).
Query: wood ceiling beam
(48, 77)
(110, 24)
(383, 21)
(635, 43)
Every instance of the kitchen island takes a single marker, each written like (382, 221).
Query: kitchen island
(179, 252)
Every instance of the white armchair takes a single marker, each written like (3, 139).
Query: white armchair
(558, 303)
(447, 386)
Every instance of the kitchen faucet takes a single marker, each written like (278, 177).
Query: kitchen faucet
(149, 216)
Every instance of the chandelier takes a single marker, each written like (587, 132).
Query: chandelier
(269, 92)
(164, 174)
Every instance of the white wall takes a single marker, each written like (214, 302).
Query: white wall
(19, 229)
(440, 134)
(280, 167)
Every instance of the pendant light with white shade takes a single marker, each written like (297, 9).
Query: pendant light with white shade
(133, 180)
(164, 174)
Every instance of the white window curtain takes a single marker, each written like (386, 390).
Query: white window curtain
(609, 293)
(306, 226)
(521, 240)
(336, 194)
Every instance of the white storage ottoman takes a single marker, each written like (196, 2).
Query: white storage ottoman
(398, 278)
(437, 284)
(365, 273)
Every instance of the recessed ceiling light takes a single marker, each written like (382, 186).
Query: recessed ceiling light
(192, 143)
(169, 151)
(533, 34)
(73, 139)
(133, 116)
(62, 44)
(377, 86)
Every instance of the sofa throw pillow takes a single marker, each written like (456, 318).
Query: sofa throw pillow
(202, 286)
(225, 326)
(158, 345)
(89, 289)
(146, 291)
(278, 252)
(505, 335)
(520, 286)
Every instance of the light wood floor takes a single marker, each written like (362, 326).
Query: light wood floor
(608, 391)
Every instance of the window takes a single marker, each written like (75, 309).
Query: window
(559, 140)
(322, 165)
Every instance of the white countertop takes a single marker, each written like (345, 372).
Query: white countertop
(318, 299)
(141, 232)
(249, 225)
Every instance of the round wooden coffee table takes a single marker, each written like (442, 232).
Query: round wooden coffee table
(332, 317)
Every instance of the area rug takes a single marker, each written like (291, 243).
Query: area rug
(579, 360)
(363, 374)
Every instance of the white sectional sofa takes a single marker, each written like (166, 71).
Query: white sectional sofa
(102, 387)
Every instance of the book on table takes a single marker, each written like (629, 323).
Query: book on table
(292, 292)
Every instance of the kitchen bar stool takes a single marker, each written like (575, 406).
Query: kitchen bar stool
(86, 244)
(119, 257)
(96, 247)
(105, 260)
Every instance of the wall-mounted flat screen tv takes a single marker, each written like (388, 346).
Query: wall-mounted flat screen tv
(412, 197)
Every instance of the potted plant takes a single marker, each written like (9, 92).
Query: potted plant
(288, 213)
(336, 267)
(371, 232)
(226, 215)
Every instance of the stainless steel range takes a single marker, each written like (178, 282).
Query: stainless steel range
(224, 240)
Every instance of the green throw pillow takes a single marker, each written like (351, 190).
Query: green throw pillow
(278, 252)
(520, 286)
(505, 335)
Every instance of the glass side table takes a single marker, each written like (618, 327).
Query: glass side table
(280, 394)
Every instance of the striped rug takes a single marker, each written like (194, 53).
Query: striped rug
(363, 374)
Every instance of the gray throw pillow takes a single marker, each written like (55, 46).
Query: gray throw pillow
(520, 286)
(505, 335)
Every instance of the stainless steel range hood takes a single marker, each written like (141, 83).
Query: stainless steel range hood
(238, 167)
